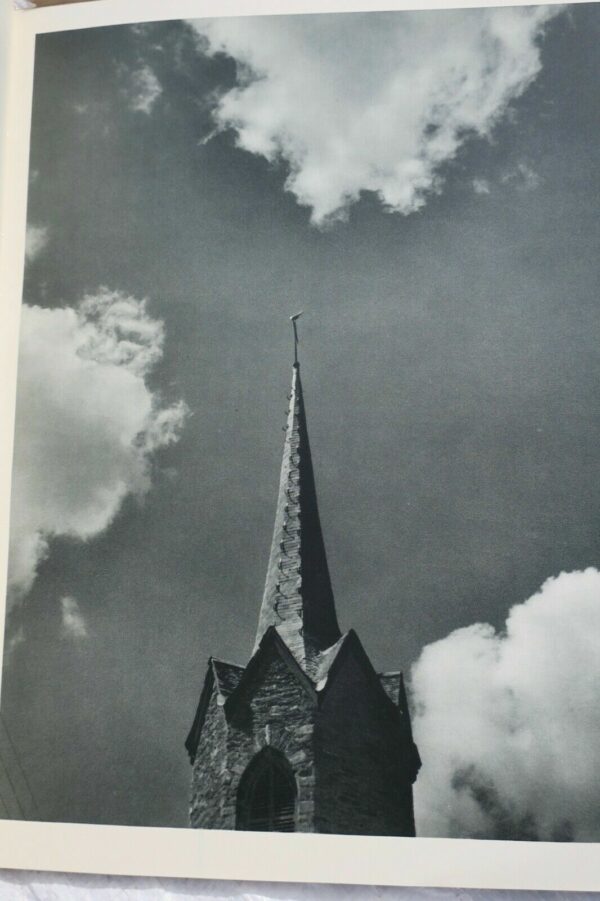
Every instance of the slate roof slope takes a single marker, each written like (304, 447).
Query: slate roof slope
(298, 597)
(227, 675)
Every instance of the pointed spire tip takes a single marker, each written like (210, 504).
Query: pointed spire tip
(293, 320)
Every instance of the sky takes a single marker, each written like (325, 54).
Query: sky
(425, 186)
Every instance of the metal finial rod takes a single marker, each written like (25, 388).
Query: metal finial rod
(293, 320)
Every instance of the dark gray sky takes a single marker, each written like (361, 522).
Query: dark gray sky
(450, 367)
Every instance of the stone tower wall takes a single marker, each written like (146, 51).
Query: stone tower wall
(362, 787)
(209, 773)
(279, 713)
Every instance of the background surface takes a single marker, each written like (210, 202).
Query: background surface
(40, 887)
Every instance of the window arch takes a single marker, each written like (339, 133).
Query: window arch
(266, 798)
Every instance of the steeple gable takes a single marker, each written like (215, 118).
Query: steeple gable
(298, 598)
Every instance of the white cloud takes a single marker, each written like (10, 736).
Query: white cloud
(372, 102)
(144, 90)
(36, 240)
(481, 185)
(508, 725)
(87, 423)
(523, 177)
(13, 638)
(73, 622)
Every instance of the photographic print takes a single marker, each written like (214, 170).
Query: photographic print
(304, 511)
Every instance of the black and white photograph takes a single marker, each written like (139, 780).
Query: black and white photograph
(305, 507)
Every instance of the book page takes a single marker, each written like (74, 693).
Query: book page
(299, 518)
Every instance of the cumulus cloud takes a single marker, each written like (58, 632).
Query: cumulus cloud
(144, 90)
(87, 422)
(508, 724)
(73, 622)
(372, 102)
(36, 240)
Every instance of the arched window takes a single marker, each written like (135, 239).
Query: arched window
(266, 799)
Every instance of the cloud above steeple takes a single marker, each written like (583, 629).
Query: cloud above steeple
(372, 102)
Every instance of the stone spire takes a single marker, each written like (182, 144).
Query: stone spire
(298, 599)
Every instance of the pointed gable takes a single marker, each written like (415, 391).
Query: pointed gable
(271, 645)
(222, 678)
(350, 653)
(298, 598)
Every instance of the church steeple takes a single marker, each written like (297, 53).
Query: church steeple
(298, 598)
(307, 737)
